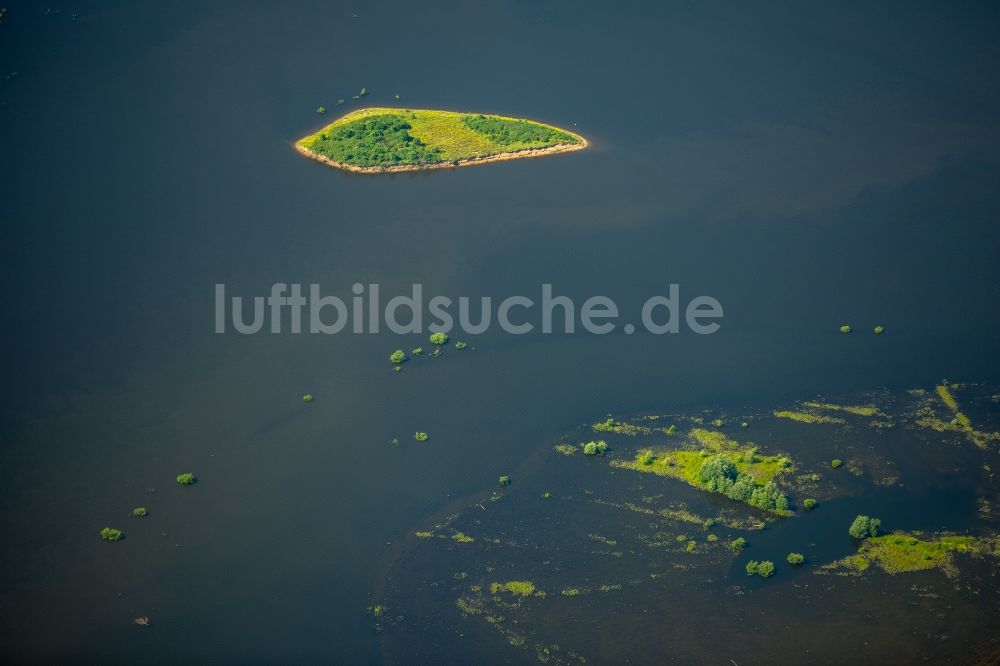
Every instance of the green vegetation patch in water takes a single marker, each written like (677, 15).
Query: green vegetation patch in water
(111, 534)
(380, 139)
(724, 466)
(186, 479)
(904, 553)
(808, 417)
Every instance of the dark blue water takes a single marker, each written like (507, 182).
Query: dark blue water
(805, 165)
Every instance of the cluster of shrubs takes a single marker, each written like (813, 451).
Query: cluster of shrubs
(598, 448)
(864, 527)
(375, 141)
(719, 474)
(511, 132)
(763, 569)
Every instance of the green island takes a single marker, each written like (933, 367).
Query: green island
(111, 534)
(378, 140)
(900, 552)
(186, 479)
(721, 465)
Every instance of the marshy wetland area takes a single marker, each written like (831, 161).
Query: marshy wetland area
(195, 471)
(882, 547)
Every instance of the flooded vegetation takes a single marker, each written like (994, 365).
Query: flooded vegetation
(643, 531)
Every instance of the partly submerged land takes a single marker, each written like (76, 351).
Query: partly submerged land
(379, 140)
(618, 541)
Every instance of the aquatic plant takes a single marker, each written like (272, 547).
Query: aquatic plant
(836, 462)
(807, 417)
(364, 91)
(460, 345)
(462, 537)
(504, 480)
(646, 458)
(111, 534)
(620, 428)
(186, 479)
(597, 448)
(738, 544)
(397, 357)
(795, 559)
(809, 503)
(864, 527)
(394, 441)
(879, 329)
(752, 567)
(857, 410)
(712, 538)
(546, 495)
(308, 397)
(438, 338)
(421, 436)
(519, 588)
(845, 329)
(321, 110)
(565, 449)
(139, 512)
(417, 351)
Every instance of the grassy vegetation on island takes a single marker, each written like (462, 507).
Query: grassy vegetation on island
(721, 466)
(386, 139)
(899, 552)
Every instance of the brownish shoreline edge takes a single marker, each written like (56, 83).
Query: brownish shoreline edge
(526, 153)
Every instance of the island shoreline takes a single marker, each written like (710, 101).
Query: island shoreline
(526, 153)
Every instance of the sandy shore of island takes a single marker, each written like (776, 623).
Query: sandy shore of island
(472, 161)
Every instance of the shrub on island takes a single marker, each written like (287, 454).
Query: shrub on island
(864, 527)
(111, 534)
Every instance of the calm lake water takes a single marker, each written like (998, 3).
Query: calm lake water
(807, 166)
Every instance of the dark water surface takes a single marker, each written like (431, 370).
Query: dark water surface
(805, 165)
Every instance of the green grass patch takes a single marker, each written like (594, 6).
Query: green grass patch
(519, 588)
(808, 417)
(904, 553)
(857, 410)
